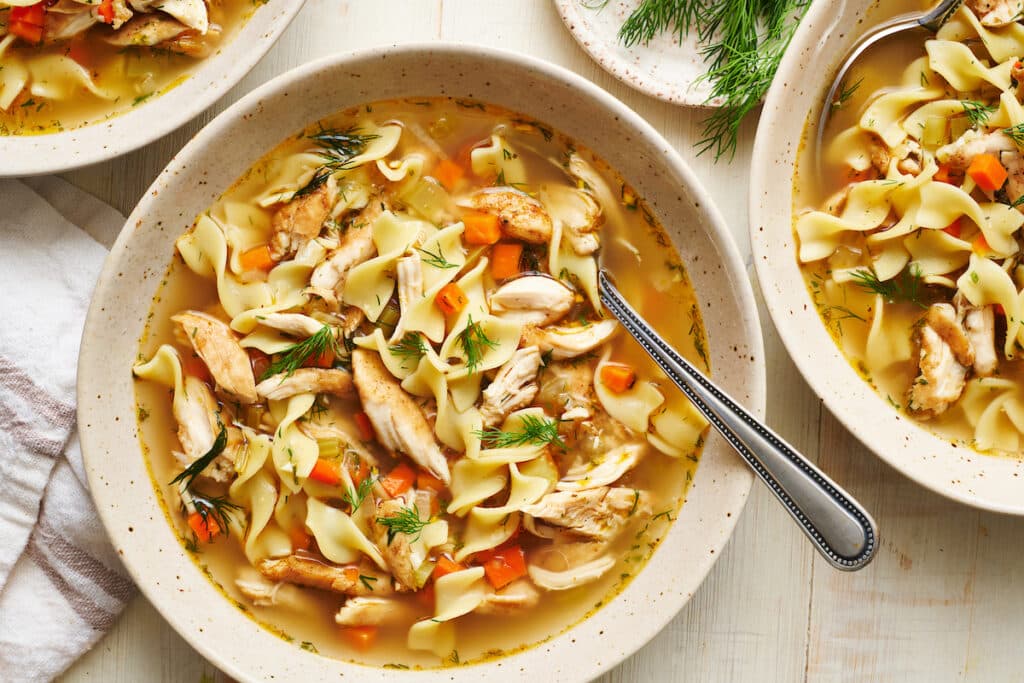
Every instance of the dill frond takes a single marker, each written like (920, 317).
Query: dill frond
(356, 496)
(474, 342)
(295, 356)
(407, 521)
(907, 287)
(977, 112)
(535, 430)
(409, 347)
(1015, 133)
(437, 260)
(338, 149)
(846, 95)
(202, 462)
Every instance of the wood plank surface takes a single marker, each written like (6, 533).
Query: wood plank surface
(942, 602)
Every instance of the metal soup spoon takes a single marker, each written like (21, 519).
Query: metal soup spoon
(837, 525)
(931, 20)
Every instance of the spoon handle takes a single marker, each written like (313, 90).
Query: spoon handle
(841, 530)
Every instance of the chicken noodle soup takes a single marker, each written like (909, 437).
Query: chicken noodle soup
(66, 63)
(914, 258)
(399, 428)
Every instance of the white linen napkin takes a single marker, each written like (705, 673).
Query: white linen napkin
(61, 584)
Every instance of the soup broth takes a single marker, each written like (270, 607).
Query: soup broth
(434, 164)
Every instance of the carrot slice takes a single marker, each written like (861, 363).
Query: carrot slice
(446, 566)
(617, 377)
(504, 565)
(980, 245)
(351, 574)
(451, 299)
(398, 480)
(365, 426)
(481, 228)
(300, 539)
(946, 174)
(106, 11)
(324, 359)
(361, 638)
(425, 480)
(954, 228)
(358, 468)
(257, 258)
(987, 172)
(27, 22)
(426, 596)
(195, 367)
(205, 528)
(448, 173)
(505, 258)
(326, 472)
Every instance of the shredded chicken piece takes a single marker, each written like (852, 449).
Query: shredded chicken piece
(995, 13)
(295, 324)
(145, 30)
(397, 553)
(568, 386)
(946, 354)
(334, 381)
(315, 573)
(217, 345)
(356, 246)
(532, 300)
(193, 43)
(263, 592)
(909, 157)
(959, 154)
(301, 219)
(522, 216)
(199, 423)
(317, 430)
(410, 288)
(397, 419)
(571, 577)
(374, 611)
(582, 234)
(599, 513)
(572, 341)
(980, 329)
(513, 387)
(514, 598)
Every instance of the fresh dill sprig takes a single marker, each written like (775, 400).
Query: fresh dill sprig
(652, 17)
(1015, 133)
(217, 507)
(474, 341)
(338, 149)
(355, 496)
(406, 521)
(977, 112)
(846, 94)
(906, 286)
(535, 430)
(202, 462)
(437, 260)
(409, 347)
(318, 179)
(294, 357)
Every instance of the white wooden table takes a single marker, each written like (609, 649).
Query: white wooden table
(942, 602)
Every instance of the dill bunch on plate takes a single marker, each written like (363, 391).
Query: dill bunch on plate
(742, 42)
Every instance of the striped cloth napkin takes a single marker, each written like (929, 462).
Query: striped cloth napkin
(61, 584)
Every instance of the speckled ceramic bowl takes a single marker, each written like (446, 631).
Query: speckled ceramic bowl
(23, 155)
(828, 30)
(118, 476)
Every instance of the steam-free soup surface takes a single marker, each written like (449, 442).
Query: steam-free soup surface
(419, 441)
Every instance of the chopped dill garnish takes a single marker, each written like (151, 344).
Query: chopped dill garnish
(474, 341)
(338, 149)
(1015, 133)
(314, 184)
(367, 581)
(906, 286)
(407, 521)
(410, 346)
(356, 496)
(295, 356)
(977, 112)
(667, 514)
(202, 462)
(309, 647)
(437, 260)
(846, 95)
(535, 430)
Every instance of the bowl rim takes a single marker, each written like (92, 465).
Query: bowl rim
(893, 437)
(204, 85)
(717, 234)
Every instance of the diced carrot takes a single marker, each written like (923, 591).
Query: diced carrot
(980, 245)
(106, 11)
(503, 566)
(505, 258)
(205, 528)
(324, 359)
(451, 299)
(257, 258)
(365, 426)
(361, 638)
(954, 228)
(426, 596)
(946, 174)
(326, 472)
(425, 480)
(398, 480)
(618, 377)
(358, 468)
(446, 566)
(300, 539)
(448, 173)
(481, 228)
(259, 362)
(987, 172)
(27, 22)
(351, 574)
(194, 366)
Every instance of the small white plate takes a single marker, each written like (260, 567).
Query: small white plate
(663, 68)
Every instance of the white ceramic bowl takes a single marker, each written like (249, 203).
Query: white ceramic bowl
(824, 37)
(24, 155)
(224, 149)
